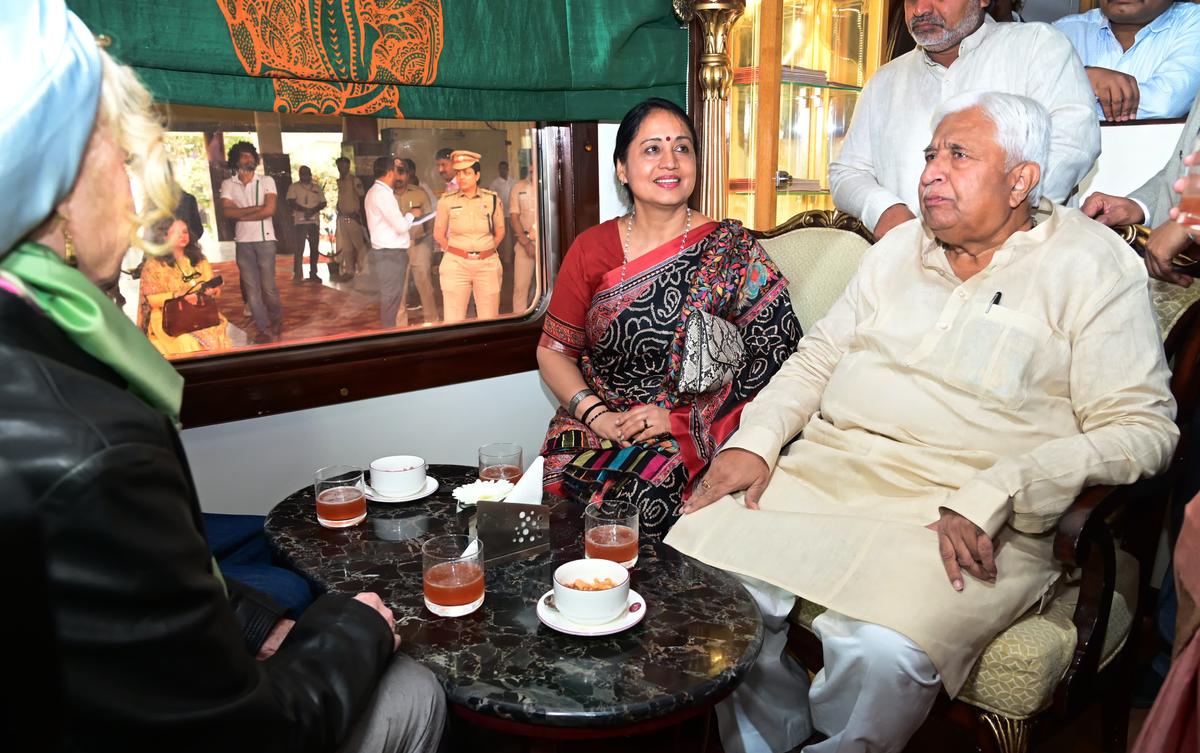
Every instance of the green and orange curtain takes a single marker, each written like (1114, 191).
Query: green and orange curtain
(438, 59)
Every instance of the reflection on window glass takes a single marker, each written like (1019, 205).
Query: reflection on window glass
(296, 229)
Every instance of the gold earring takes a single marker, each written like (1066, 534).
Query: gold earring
(69, 247)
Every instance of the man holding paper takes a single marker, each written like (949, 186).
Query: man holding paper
(983, 367)
(389, 242)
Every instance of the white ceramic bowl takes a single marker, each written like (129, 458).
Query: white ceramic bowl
(397, 475)
(591, 607)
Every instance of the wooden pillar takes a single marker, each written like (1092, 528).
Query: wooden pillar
(713, 19)
(770, 76)
(269, 129)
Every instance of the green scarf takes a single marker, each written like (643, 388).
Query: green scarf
(95, 324)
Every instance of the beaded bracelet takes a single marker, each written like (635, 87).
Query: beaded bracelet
(576, 399)
(598, 415)
(583, 419)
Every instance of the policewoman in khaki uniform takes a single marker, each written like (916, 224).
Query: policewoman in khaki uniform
(469, 227)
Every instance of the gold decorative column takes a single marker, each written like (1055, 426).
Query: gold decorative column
(715, 18)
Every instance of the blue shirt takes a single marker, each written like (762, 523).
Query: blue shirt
(1164, 58)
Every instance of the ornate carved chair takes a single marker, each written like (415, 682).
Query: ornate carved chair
(1046, 667)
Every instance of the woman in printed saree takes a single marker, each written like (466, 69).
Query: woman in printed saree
(177, 273)
(663, 324)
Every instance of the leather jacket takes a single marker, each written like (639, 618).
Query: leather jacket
(150, 653)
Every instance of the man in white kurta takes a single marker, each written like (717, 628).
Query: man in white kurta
(979, 371)
(880, 163)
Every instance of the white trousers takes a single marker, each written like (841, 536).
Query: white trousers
(874, 692)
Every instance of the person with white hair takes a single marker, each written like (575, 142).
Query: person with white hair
(959, 49)
(148, 646)
(980, 369)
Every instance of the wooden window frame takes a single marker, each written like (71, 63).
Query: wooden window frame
(268, 382)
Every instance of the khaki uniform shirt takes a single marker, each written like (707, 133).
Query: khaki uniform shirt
(916, 392)
(307, 196)
(413, 199)
(465, 220)
(350, 195)
(523, 203)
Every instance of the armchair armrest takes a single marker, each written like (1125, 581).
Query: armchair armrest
(1084, 540)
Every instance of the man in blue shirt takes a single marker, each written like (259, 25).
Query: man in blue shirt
(1142, 56)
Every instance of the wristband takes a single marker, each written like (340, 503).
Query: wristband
(588, 412)
(598, 415)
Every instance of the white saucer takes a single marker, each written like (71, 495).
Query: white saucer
(552, 618)
(431, 485)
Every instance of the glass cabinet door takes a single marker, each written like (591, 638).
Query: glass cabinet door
(827, 49)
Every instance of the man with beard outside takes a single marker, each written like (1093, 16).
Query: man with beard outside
(959, 48)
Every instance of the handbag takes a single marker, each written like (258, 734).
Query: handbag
(713, 352)
(181, 317)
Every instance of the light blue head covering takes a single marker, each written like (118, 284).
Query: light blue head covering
(51, 77)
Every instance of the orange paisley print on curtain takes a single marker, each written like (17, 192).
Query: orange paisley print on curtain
(337, 56)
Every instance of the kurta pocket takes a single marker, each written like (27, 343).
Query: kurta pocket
(993, 355)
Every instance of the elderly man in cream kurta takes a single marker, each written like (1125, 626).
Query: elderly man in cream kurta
(960, 49)
(979, 371)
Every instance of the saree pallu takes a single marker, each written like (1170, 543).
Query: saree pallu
(626, 328)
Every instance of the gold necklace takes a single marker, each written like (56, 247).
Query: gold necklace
(687, 226)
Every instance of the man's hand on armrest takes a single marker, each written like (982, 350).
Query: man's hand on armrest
(1112, 210)
(963, 546)
(896, 214)
(732, 470)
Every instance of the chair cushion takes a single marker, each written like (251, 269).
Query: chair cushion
(1170, 302)
(1018, 671)
(818, 263)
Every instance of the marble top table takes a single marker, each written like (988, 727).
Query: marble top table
(500, 666)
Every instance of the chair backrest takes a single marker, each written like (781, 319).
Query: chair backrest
(818, 251)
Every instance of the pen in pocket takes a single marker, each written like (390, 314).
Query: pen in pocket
(995, 301)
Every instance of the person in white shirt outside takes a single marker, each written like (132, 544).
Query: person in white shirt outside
(389, 242)
(1141, 56)
(306, 200)
(249, 199)
(960, 49)
(523, 216)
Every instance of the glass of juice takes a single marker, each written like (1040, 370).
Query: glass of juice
(610, 532)
(500, 461)
(339, 492)
(1189, 200)
(453, 574)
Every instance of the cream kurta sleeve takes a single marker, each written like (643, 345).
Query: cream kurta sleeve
(1124, 408)
(1062, 86)
(782, 409)
(852, 173)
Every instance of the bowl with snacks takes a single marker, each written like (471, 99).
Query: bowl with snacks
(591, 592)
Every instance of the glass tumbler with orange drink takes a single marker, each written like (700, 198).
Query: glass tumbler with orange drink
(500, 461)
(453, 574)
(339, 492)
(1189, 200)
(610, 531)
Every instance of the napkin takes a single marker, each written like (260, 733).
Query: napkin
(528, 490)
